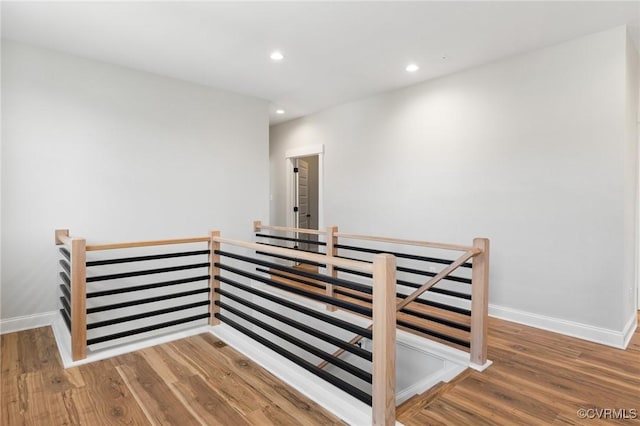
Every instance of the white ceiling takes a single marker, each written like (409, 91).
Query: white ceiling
(335, 51)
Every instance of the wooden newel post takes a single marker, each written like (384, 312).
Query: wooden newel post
(480, 302)
(332, 251)
(78, 299)
(61, 236)
(384, 340)
(214, 271)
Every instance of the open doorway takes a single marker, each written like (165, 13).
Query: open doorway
(305, 192)
(306, 198)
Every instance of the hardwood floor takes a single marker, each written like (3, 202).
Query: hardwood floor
(538, 378)
(193, 381)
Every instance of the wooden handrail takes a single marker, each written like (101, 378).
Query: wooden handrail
(62, 237)
(95, 247)
(258, 226)
(312, 257)
(445, 246)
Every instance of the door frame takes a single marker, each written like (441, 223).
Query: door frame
(290, 156)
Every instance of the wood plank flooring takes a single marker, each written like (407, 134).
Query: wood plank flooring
(538, 378)
(194, 381)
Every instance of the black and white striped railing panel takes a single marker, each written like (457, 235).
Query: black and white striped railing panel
(65, 286)
(255, 304)
(137, 293)
(443, 312)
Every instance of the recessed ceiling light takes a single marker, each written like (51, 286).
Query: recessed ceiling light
(412, 68)
(279, 111)
(276, 56)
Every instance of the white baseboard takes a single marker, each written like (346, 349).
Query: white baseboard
(629, 330)
(63, 339)
(26, 322)
(605, 336)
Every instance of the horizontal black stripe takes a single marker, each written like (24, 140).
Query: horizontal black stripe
(428, 317)
(147, 272)
(147, 314)
(407, 283)
(65, 278)
(361, 331)
(298, 240)
(402, 255)
(65, 253)
(66, 319)
(339, 383)
(65, 305)
(315, 296)
(434, 334)
(144, 258)
(289, 277)
(145, 329)
(65, 265)
(296, 248)
(147, 286)
(319, 277)
(354, 349)
(65, 290)
(351, 369)
(147, 300)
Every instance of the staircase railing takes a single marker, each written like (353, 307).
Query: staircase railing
(224, 301)
(233, 312)
(104, 297)
(448, 308)
(246, 286)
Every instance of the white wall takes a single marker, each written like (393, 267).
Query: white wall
(528, 151)
(117, 155)
(631, 179)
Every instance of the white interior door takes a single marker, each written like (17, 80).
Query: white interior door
(291, 185)
(303, 212)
